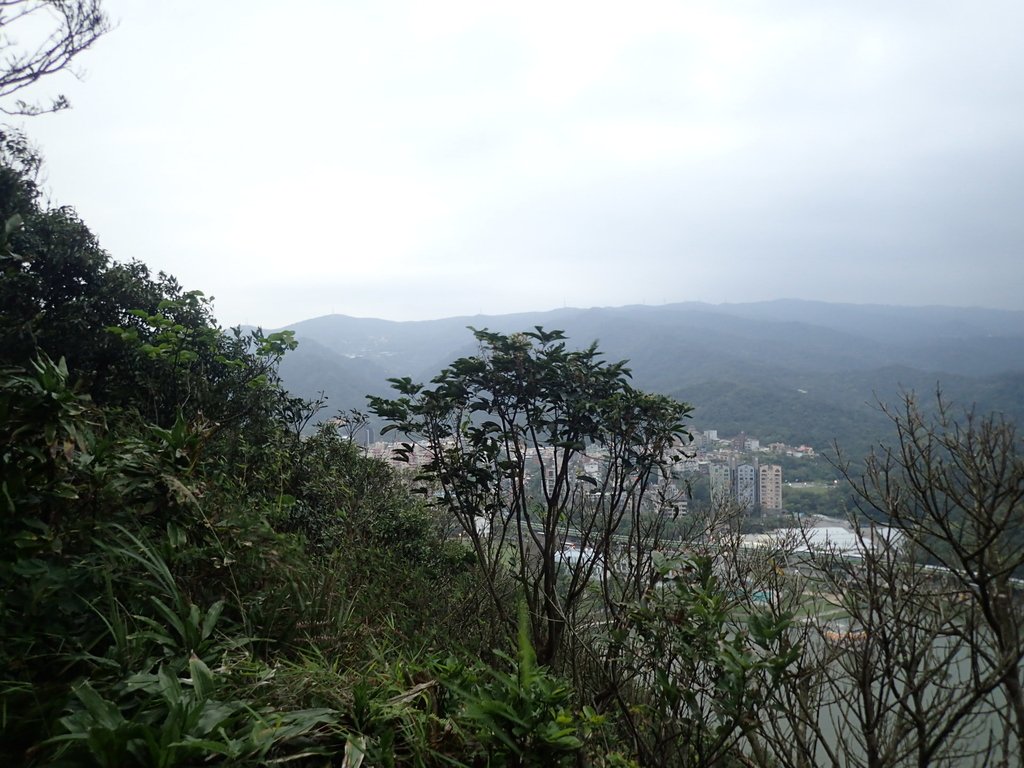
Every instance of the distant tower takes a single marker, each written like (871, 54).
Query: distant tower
(746, 486)
(769, 482)
(720, 480)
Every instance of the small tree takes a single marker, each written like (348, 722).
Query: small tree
(955, 487)
(557, 470)
(924, 665)
(880, 680)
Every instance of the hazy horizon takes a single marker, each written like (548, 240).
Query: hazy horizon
(408, 161)
(866, 304)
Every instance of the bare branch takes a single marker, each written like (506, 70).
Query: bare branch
(51, 33)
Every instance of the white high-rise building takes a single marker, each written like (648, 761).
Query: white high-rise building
(746, 486)
(720, 481)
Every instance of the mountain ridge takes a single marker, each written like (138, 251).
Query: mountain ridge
(842, 356)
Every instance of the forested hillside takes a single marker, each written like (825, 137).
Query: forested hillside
(198, 568)
(797, 372)
(183, 578)
(189, 576)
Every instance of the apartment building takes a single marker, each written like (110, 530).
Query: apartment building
(769, 485)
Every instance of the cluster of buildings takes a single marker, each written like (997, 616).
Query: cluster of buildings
(709, 441)
(750, 485)
(739, 468)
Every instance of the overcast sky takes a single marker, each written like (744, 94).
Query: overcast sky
(412, 160)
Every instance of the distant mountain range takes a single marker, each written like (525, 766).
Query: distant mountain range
(796, 371)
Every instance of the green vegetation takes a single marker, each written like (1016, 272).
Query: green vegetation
(826, 499)
(819, 382)
(582, 546)
(528, 441)
(190, 575)
(188, 578)
(184, 578)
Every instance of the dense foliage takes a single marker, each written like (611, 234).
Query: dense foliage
(183, 575)
(533, 446)
(189, 575)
